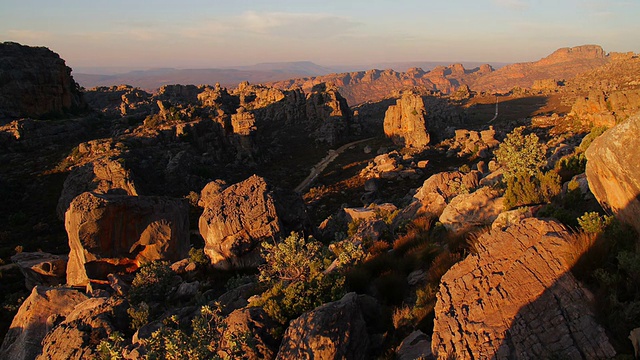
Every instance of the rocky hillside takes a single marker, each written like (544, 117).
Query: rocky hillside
(428, 225)
(35, 83)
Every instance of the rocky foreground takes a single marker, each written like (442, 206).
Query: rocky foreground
(164, 225)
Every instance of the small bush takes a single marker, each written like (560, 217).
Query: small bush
(595, 132)
(523, 189)
(441, 264)
(465, 169)
(592, 222)
(139, 315)
(198, 257)
(112, 348)
(521, 154)
(152, 283)
(293, 259)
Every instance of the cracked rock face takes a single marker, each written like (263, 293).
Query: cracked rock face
(517, 299)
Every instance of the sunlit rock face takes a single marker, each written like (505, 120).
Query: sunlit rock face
(517, 299)
(613, 171)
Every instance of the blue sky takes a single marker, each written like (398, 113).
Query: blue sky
(198, 33)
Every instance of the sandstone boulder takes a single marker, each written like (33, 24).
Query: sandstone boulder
(517, 299)
(242, 216)
(255, 323)
(35, 318)
(101, 176)
(115, 233)
(35, 82)
(336, 330)
(479, 208)
(415, 346)
(613, 171)
(40, 268)
(405, 122)
(329, 114)
(79, 334)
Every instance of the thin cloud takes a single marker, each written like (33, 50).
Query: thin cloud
(512, 4)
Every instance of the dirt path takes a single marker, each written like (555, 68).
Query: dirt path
(319, 167)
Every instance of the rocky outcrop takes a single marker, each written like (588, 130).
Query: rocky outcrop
(236, 220)
(78, 335)
(36, 316)
(517, 299)
(40, 268)
(102, 176)
(254, 323)
(336, 330)
(118, 101)
(35, 83)
(437, 191)
(114, 233)
(330, 114)
(602, 108)
(415, 346)
(476, 209)
(613, 171)
(405, 122)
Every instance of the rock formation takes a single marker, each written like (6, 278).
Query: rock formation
(40, 268)
(405, 122)
(517, 299)
(111, 233)
(613, 170)
(102, 176)
(35, 318)
(254, 322)
(81, 330)
(242, 216)
(335, 330)
(330, 114)
(35, 83)
(476, 209)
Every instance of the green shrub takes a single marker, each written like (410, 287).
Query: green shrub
(112, 348)
(593, 223)
(465, 169)
(595, 132)
(153, 282)
(524, 189)
(198, 257)
(139, 315)
(293, 259)
(520, 154)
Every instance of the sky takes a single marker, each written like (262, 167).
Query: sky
(205, 34)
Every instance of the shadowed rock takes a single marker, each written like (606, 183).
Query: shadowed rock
(115, 233)
(35, 82)
(40, 268)
(336, 330)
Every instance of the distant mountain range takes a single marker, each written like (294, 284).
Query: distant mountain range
(152, 79)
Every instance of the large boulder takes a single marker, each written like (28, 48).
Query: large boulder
(254, 323)
(517, 299)
(35, 82)
(336, 330)
(114, 233)
(101, 176)
(34, 320)
(613, 170)
(405, 123)
(239, 218)
(80, 333)
(476, 209)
